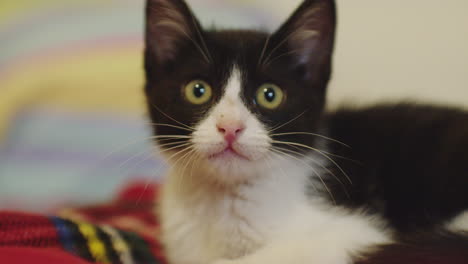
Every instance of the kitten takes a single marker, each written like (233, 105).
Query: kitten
(260, 173)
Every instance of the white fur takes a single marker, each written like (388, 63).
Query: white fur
(459, 223)
(253, 211)
(253, 142)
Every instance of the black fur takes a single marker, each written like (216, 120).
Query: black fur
(410, 162)
(281, 63)
(422, 248)
(406, 162)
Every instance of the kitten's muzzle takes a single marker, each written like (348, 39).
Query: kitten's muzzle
(230, 131)
(228, 153)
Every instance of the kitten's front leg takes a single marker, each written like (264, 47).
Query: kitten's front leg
(337, 242)
(297, 252)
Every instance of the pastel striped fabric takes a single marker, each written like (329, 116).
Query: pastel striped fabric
(72, 112)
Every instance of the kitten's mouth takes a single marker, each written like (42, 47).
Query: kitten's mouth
(228, 153)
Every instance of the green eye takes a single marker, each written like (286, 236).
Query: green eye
(269, 96)
(197, 92)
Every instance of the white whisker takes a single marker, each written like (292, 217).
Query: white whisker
(278, 46)
(280, 153)
(317, 163)
(170, 125)
(166, 115)
(290, 121)
(312, 134)
(130, 159)
(141, 152)
(202, 39)
(281, 55)
(267, 41)
(316, 150)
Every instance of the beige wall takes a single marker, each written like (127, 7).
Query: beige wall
(389, 50)
(402, 49)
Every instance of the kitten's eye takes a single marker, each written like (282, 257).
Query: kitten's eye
(269, 96)
(197, 92)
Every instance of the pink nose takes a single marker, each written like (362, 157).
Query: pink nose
(230, 130)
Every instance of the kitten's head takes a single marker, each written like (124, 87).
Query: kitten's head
(228, 99)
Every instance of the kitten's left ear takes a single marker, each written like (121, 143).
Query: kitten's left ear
(170, 28)
(308, 35)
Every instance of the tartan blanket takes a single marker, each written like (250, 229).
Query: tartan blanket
(122, 231)
(125, 231)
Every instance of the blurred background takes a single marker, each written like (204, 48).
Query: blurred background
(72, 116)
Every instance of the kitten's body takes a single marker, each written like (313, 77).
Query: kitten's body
(260, 174)
(207, 223)
(413, 167)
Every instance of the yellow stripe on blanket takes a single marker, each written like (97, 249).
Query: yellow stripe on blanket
(95, 245)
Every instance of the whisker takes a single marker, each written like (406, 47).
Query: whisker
(159, 169)
(313, 170)
(159, 152)
(278, 46)
(179, 140)
(171, 143)
(281, 55)
(195, 158)
(170, 137)
(311, 134)
(316, 150)
(202, 39)
(332, 154)
(174, 147)
(190, 158)
(169, 125)
(267, 61)
(122, 147)
(267, 41)
(317, 163)
(181, 159)
(130, 159)
(166, 115)
(147, 182)
(148, 157)
(290, 121)
(190, 38)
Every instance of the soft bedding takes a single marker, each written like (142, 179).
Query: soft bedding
(72, 116)
(122, 231)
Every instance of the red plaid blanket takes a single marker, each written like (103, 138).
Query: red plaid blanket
(123, 231)
(126, 230)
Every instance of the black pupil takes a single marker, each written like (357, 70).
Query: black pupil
(269, 94)
(199, 90)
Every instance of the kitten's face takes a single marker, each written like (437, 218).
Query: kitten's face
(226, 98)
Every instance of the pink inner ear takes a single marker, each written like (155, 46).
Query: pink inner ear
(309, 32)
(169, 24)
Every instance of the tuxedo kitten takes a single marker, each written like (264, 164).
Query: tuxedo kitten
(260, 173)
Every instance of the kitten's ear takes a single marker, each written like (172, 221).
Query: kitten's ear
(309, 34)
(170, 26)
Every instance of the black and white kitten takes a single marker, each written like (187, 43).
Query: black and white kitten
(260, 173)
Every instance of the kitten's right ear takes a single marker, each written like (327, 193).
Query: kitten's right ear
(308, 36)
(170, 26)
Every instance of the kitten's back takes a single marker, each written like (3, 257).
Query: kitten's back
(413, 161)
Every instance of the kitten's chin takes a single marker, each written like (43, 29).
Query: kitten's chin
(229, 166)
(229, 155)
(232, 169)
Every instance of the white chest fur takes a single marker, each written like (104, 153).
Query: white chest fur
(203, 222)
